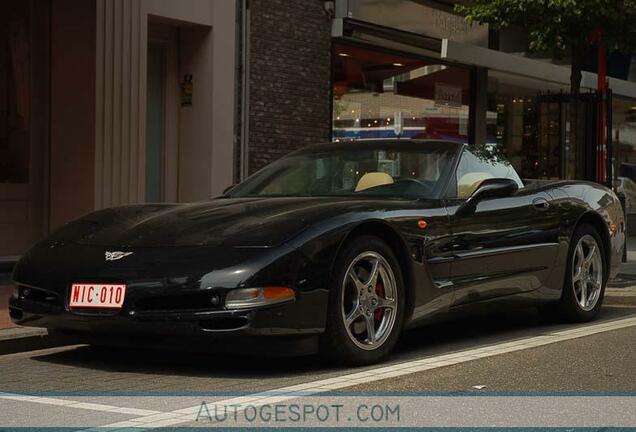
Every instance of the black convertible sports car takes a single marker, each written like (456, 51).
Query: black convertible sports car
(336, 248)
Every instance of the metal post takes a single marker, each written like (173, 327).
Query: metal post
(623, 201)
(610, 143)
(245, 90)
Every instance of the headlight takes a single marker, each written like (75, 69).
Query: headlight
(244, 298)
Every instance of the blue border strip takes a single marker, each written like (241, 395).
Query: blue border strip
(320, 393)
(332, 429)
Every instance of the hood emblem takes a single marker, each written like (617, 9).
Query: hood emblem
(115, 255)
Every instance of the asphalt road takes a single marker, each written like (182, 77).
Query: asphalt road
(512, 352)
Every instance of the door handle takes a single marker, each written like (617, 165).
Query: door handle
(540, 204)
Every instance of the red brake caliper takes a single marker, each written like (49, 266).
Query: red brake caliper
(379, 290)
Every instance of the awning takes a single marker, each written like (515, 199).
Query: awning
(526, 67)
(467, 54)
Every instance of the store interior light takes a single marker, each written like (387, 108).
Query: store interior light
(343, 54)
(398, 64)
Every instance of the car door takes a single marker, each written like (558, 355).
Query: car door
(509, 244)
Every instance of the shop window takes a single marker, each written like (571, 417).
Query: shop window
(381, 95)
(15, 90)
(624, 129)
(512, 127)
(624, 142)
(527, 128)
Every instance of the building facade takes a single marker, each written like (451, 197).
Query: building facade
(289, 78)
(111, 102)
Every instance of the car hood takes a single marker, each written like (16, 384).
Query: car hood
(232, 222)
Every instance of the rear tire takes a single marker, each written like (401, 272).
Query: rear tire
(585, 277)
(366, 303)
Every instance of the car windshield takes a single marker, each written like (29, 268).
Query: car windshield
(389, 171)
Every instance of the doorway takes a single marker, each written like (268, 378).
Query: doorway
(162, 114)
(569, 129)
(24, 101)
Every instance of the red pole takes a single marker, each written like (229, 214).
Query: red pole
(601, 122)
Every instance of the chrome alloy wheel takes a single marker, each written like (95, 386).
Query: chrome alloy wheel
(587, 272)
(369, 300)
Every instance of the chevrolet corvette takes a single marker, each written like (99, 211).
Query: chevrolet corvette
(335, 248)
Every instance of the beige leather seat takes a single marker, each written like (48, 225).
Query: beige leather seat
(468, 183)
(373, 179)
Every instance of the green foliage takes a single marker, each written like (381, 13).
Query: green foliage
(559, 25)
(489, 153)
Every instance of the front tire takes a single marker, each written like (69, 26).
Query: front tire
(366, 303)
(585, 278)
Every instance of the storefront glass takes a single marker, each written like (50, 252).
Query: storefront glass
(624, 128)
(624, 142)
(382, 95)
(527, 127)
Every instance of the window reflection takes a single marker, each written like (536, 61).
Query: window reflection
(624, 141)
(624, 128)
(380, 95)
(527, 127)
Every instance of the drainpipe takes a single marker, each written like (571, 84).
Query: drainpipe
(242, 127)
(341, 8)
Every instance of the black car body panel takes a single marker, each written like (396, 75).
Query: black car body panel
(512, 250)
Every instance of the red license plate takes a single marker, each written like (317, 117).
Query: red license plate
(97, 295)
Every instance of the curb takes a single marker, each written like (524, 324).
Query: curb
(19, 339)
(626, 291)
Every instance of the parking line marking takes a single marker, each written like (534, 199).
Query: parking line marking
(186, 415)
(152, 419)
(37, 353)
(69, 403)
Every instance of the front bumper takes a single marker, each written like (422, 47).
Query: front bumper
(281, 329)
(169, 293)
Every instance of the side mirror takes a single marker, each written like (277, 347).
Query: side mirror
(489, 188)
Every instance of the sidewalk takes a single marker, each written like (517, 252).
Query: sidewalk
(5, 293)
(14, 338)
(627, 273)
